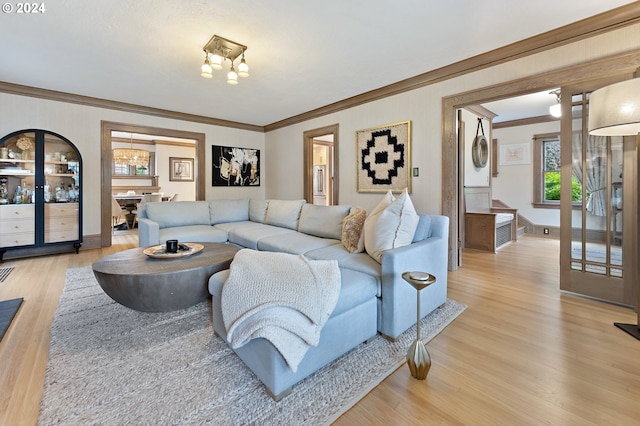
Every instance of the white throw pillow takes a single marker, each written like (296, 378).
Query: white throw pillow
(391, 224)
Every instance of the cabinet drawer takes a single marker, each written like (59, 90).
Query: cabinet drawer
(17, 211)
(10, 240)
(61, 209)
(17, 226)
(60, 222)
(61, 235)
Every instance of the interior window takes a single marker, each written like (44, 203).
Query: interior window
(546, 169)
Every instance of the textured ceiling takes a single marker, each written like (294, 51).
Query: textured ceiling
(302, 54)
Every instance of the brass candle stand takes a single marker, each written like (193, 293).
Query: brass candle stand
(418, 358)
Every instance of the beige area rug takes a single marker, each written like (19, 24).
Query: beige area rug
(111, 365)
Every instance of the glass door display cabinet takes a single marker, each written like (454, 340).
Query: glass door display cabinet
(40, 193)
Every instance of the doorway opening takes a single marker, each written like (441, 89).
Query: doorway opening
(108, 129)
(321, 166)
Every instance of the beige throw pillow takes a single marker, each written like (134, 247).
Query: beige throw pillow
(352, 230)
(391, 224)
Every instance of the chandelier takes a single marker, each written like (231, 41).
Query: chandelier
(130, 156)
(219, 49)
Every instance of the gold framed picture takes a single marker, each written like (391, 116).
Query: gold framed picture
(383, 158)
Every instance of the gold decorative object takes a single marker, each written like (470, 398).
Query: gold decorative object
(26, 145)
(418, 358)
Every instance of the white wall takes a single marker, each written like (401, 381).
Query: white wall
(514, 183)
(423, 107)
(186, 190)
(475, 176)
(81, 125)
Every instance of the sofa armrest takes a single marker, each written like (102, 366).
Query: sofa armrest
(148, 232)
(398, 298)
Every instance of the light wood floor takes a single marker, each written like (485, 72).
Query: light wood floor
(522, 353)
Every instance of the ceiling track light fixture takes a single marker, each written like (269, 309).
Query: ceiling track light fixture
(219, 49)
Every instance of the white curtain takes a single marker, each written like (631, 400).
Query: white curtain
(595, 178)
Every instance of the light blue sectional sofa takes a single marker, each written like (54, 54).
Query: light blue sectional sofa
(374, 297)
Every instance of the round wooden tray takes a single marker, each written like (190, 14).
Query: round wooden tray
(158, 252)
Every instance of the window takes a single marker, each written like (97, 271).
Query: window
(546, 173)
(120, 170)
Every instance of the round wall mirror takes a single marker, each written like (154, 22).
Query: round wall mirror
(480, 151)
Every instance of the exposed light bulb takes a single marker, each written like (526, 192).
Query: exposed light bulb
(216, 61)
(232, 77)
(243, 68)
(205, 69)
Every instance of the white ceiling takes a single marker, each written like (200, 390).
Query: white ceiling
(302, 54)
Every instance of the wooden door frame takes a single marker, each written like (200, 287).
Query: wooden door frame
(620, 64)
(307, 176)
(106, 127)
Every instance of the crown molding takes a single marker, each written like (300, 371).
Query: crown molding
(54, 95)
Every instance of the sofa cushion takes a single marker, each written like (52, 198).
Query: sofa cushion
(193, 233)
(360, 262)
(221, 211)
(179, 213)
(247, 234)
(258, 210)
(322, 221)
(352, 226)
(356, 288)
(294, 243)
(391, 224)
(284, 213)
(423, 231)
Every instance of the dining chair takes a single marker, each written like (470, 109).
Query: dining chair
(146, 198)
(118, 213)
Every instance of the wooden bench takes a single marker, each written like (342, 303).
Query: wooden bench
(486, 227)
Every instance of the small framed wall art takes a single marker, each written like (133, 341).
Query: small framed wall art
(384, 158)
(180, 169)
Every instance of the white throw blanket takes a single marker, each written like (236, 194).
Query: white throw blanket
(281, 297)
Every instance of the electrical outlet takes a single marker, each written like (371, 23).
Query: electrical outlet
(546, 231)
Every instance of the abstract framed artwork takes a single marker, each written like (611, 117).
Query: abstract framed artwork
(384, 158)
(180, 169)
(233, 166)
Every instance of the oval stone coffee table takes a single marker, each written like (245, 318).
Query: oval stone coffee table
(147, 284)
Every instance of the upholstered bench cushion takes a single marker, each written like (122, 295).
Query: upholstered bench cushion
(503, 218)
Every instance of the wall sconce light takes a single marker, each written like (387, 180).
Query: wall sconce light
(219, 49)
(556, 110)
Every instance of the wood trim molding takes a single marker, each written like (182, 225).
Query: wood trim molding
(308, 137)
(105, 164)
(54, 95)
